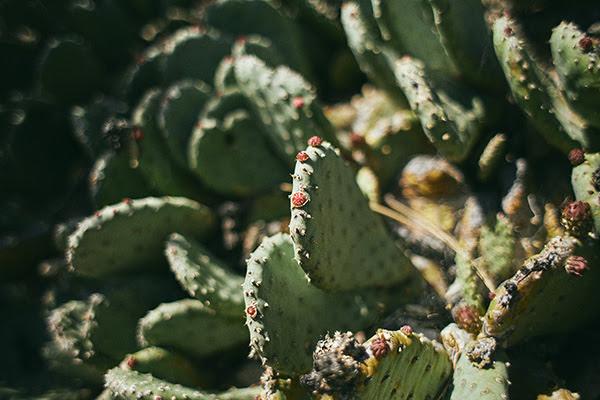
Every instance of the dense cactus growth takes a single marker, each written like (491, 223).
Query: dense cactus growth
(307, 199)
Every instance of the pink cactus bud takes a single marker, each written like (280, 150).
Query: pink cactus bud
(137, 134)
(407, 330)
(576, 157)
(299, 199)
(302, 156)
(356, 139)
(298, 102)
(586, 44)
(577, 211)
(576, 265)
(379, 347)
(131, 362)
(466, 317)
(251, 311)
(315, 141)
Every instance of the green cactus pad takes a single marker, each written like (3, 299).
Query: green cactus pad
(336, 211)
(466, 39)
(497, 249)
(129, 235)
(260, 47)
(248, 168)
(69, 71)
(225, 76)
(112, 179)
(582, 181)
(451, 123)
(469, 381)
(97, 332)
(132, 385)
(408, 26)
(160, 171)
(412, 368)
(284, 328)
(147, 72)
(204, 277)
(179, 112)
(260, 17)
(192, 328)
(193, 54)
(374, 58)
(578, 69)
(286, 104)
(164, 364)
(534, 92)
(542, 298)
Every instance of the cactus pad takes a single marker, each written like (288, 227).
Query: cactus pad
(203, 276)
(132, 385)
(336, 211)
(192, 328)
(129, 235)
(284, 329)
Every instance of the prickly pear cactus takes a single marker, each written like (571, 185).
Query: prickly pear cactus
(293, 200)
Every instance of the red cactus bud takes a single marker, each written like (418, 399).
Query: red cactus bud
(356, 139)
(379, 347)
(302, 156)
(251, 311)
(576, 265)
(407, 330)
(466, 317)
(576, 157)
(137, 133)
(299, 199)
(586, 44)
(298, 102)
(131, 361)
(576, 211)
(508, 31)
(315, 141)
